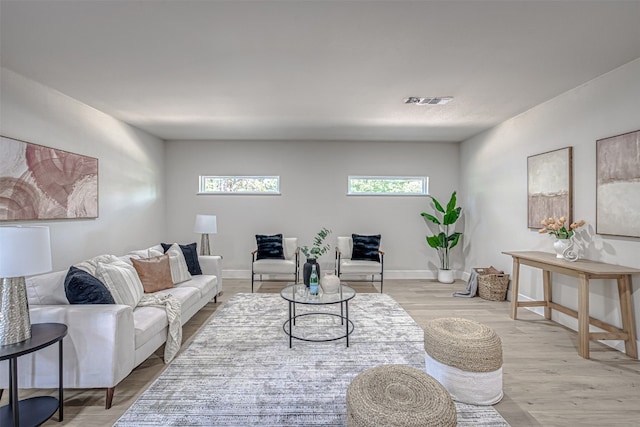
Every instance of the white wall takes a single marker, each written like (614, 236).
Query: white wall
(494, 185)
(313, 183)
(130, 163)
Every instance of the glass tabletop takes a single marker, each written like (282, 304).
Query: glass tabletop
(299, 294)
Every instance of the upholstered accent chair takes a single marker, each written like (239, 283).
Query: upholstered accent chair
(272, 261)
(364, 258)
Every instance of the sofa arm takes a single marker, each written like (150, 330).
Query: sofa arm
(98, 350)
(212, 265)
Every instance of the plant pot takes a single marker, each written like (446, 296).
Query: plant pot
(445, 276)
(306, 270)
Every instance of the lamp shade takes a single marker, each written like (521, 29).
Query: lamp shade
(24, 251)
(206, 224)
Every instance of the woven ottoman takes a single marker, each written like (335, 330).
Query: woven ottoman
(398, 395)
(465, 357)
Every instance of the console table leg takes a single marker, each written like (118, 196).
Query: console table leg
(514, 288)
(626, 312)
(583, 316)
(546, 280)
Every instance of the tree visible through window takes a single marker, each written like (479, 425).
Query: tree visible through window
(239, 185)
(384, 185)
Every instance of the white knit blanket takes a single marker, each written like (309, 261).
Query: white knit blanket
(173, 308)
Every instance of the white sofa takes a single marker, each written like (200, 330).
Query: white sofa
(105, 342)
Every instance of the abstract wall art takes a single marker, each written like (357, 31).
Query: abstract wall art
(550, 186)
(618, 185)
(38, 182)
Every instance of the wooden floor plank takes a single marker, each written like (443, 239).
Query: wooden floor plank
(546, 382)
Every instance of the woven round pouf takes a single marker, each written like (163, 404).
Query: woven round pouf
(398, 395)
(465, 357)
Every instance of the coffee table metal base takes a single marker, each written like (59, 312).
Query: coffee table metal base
(349, 326)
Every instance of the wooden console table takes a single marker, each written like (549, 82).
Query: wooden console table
(584, 270)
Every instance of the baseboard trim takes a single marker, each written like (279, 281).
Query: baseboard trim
(388, 274)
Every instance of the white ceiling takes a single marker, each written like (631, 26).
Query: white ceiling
(334, 70)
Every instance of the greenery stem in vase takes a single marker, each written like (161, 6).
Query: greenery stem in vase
(319, 247)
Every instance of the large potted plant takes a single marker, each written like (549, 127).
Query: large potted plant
(314, 252)
(444, 240)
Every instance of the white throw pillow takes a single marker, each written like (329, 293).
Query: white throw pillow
(122, 280)
(179, 270)
(91, 265)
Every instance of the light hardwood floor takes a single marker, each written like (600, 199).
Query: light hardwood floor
(546, 383)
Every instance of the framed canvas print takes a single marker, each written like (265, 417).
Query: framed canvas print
(549, 186)
(38, 182)
(618, 185)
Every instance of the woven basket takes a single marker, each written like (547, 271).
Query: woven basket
(492, 284)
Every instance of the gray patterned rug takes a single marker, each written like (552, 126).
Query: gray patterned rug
(239, 370)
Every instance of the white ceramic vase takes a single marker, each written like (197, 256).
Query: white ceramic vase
(330, 283)
(445, 276)
(561, 245)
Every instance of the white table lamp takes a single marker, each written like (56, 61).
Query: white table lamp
(23, 251)
(205, 225)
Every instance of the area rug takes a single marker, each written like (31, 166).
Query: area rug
(240, 371)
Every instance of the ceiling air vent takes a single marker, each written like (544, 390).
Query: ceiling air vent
(434, 100)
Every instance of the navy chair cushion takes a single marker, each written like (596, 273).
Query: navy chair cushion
(365, 248)
(270, 247)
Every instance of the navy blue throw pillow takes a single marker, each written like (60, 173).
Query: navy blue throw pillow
(190, 256)
(270, 247)
(365, 248)
(82, 288)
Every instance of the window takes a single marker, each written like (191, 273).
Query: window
(387, 186)
(239, 185)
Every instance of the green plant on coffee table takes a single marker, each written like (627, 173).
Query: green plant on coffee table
(319, 246)
(443, 242)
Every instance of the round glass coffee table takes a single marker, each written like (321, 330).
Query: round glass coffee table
(298, 294)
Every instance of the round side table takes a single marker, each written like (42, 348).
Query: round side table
(35, 410)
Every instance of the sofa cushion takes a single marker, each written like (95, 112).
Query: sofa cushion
(154, 273)
(149, 321)
(190, 256)
(204, 283)
(365, 248)
(269, 247)
(122, 281)
(47, 288)
(82, 288)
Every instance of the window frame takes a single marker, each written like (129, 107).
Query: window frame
(423, 179)
(203, 178)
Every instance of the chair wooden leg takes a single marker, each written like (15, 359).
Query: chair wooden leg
(109, 397)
